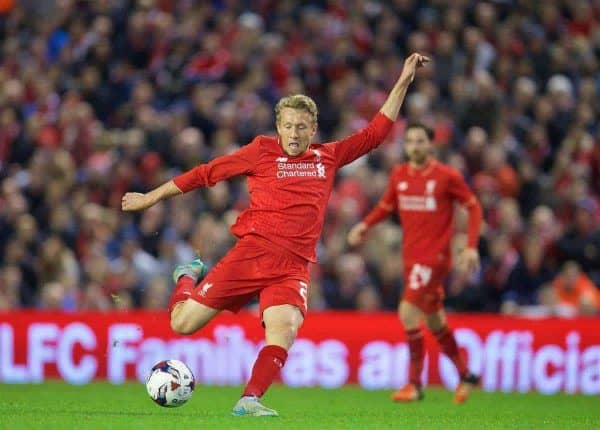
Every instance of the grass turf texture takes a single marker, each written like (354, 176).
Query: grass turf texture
(55, 405)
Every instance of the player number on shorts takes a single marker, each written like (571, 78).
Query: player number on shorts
(420, 276)
(304, 292)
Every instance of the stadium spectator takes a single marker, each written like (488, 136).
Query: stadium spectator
(581, 242)
(572, 293)
(527, 278)
(101, 97)
(343, 289)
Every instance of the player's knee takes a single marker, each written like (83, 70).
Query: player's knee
(435, 321)
(289, 328)
(284, 329)
(408, 321)
(409, 316)
(181, 326)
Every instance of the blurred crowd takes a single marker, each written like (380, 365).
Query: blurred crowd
(102, 97)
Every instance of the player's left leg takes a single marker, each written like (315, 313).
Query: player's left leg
(186, 277)
(437, 323)
(281, 326)
(190, 316)
(187, 315)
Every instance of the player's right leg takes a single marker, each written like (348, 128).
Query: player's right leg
(411, 316)
(187, 315)
(464, 388)
(281, 322)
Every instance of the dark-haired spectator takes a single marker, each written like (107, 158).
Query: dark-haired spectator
(527, 278)
(581, 241)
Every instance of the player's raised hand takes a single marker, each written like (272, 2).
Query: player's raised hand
(135, 202)
(468, 261)
(357, 234)
(411, 64)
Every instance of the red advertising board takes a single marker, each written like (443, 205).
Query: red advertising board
(332, 349)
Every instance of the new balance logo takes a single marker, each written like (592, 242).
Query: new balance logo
(205, 289)
(282, 159)
(317, 154)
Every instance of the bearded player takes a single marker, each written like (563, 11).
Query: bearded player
(423, 192)
(289, 181)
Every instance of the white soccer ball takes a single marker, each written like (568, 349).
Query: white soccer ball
(170, 383)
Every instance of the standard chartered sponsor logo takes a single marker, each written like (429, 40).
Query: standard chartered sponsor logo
(295, 174)
(292, 166)
(417, 203)
(297, 170)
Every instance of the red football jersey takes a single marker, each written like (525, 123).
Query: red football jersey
(288, 195)
(424, 200)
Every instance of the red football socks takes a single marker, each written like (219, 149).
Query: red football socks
(266, 368)
(445, 338)
(183, 290)
(416, 348)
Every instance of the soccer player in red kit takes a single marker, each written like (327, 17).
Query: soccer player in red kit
(289, 181)
(423, 192)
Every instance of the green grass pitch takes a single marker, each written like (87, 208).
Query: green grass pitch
(55, 405)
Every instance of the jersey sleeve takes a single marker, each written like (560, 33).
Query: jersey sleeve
(461, 192)
(240, 162)
(388, 203)
(363, 141)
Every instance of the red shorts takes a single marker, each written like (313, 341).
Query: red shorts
(255, 267)
(424, 285)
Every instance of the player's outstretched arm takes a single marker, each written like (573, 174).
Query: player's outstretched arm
(240, 162)
(367, 139)
(141, 201)
(392, 105)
